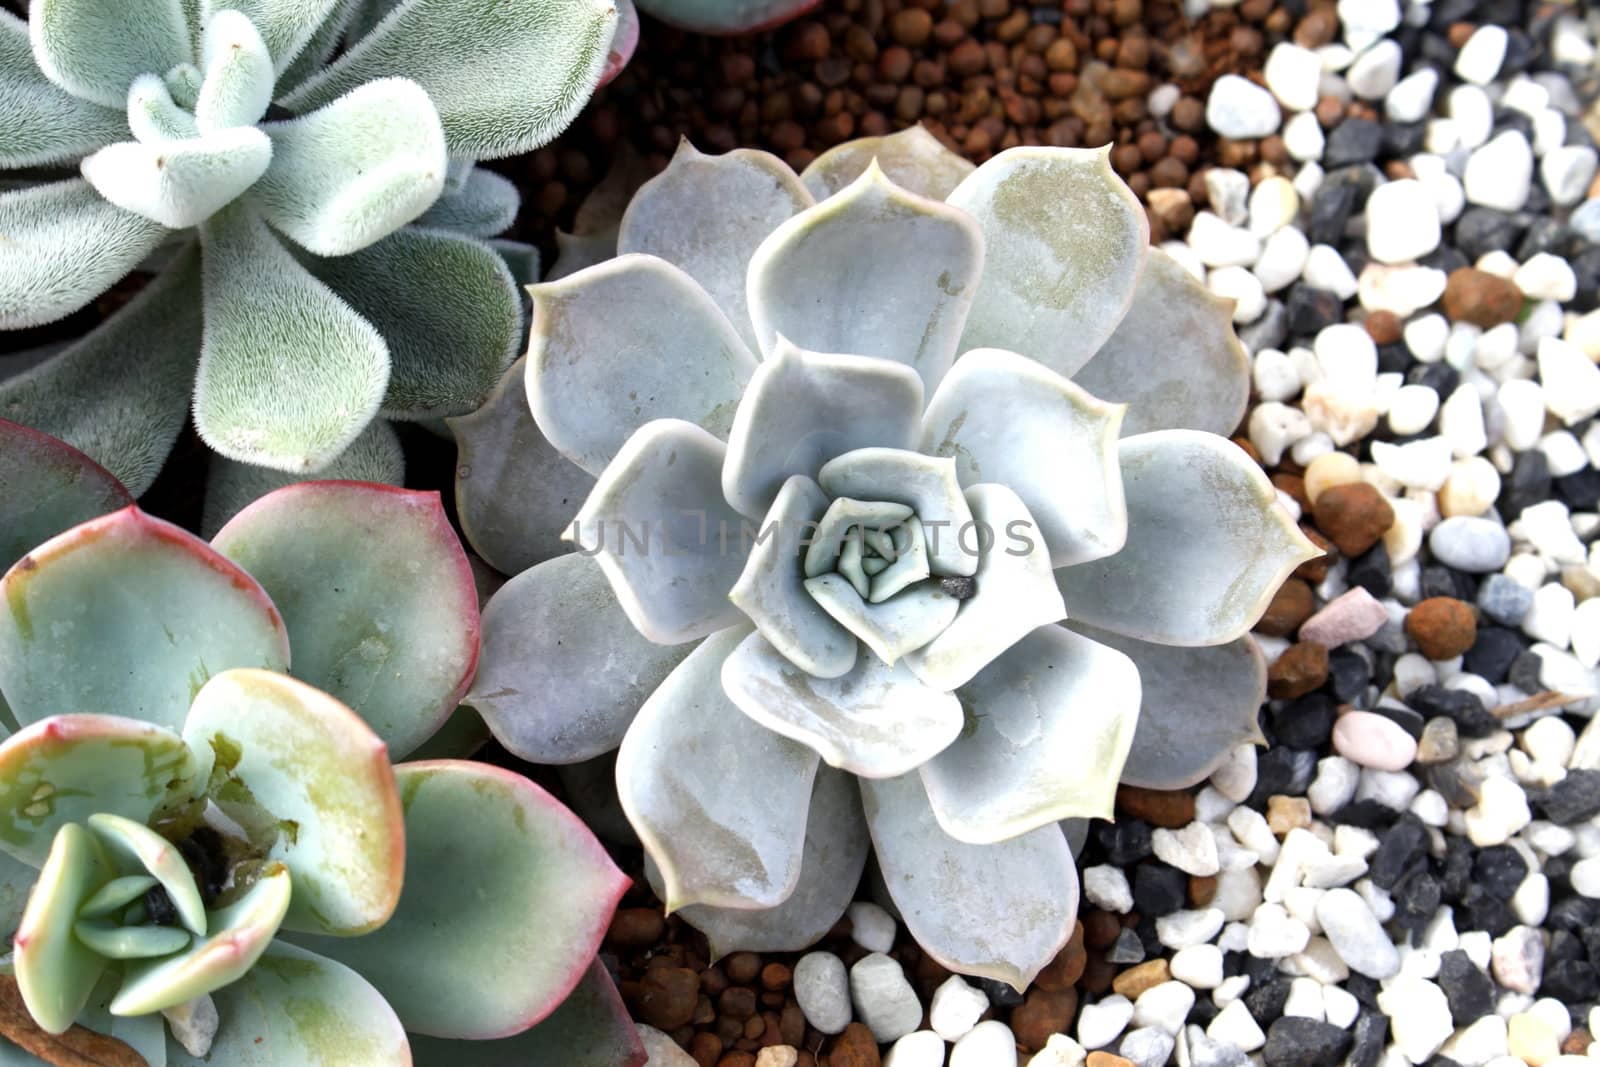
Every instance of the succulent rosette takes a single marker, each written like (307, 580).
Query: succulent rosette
(846, 507)
(193, 828)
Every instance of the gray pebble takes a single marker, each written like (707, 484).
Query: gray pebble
(1504, 599)
(822, 989)
(1470, 544)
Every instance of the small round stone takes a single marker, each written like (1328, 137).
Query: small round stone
(1353, 516)
(1483, 299)
(1374, 741)
(1443, 627)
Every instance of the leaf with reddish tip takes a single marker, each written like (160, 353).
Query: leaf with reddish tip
(134, 847)
(376, 592)
(541, 890)
(623, 42)
(47, 486)
(311, 783)
(726, 16)
(54, 971)
(131, 614)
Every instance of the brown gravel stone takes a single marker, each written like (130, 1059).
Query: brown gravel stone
(1064, 971)
(1202, 890)
(705, 1049)
(742, 966)
(1172, 809)
(668, 996)
(1314, 570)
(635, 928)
(1384, 327)
(1302, 668)
(856, 1047)
(1483, 299)
(1291, 605)
(1442, 626)
(1354, 516)
(1101, 1058)
(1135, 980)
(1287, 813)
(1577, 1043)
(738, 1058)
(1100, 928)
(1043, 1013)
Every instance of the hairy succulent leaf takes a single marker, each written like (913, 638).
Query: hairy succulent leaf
(913, 159)
(180, 183)
(95, 48)
(39, 122)
(55, 971)
(46, 487)
(153, 115)
(482, 206)
(286, 26)
(318, 49)
(237, 73)
(726, 16)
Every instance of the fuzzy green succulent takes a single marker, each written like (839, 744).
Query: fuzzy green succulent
(199, 818)
(314, 217)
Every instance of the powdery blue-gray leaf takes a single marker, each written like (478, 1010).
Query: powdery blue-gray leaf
(483, 205)
(356, 170)
(912, 158)
(64, 246)
(998, 911)
(286, 26)
(562, 671)
(725, 16)
(895, 271)
(624, 342)
(658, 526)
(574, 252)
(1065, 239)
(520, 258)
(1049, 725)
(506, 78)
(708, 215)
(153, 115)
(1174, 358)
(95, 48)
(39, 122)
(1208, 544)
(802, 409)
(237, 75)
(927, 484)
(1007, 419)
(1197, 705)
(180, 183)
(893, 628)
(289, 374)
(876, 721)
(47, 486)
(719, 801)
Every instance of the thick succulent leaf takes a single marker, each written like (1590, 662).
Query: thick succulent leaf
(913, 159)
(575, 252)
(484, 205)
(891, 628)
(294, 1006)
(40, 123)
(1174, 359)
(804, 408)
(289, 374)
(514, 491)
(926, 484)
(94, 49)
(1013, 594)
(311, 784)
(375, 457)
(506, 78)
(316, 52)
(998, 911)
(180, 183)
(876, 721)
(154, 116)
(145, 1034)
(285, 25)
(708, 214)
(896, 272)
(725, 16)
(353, 172)
(236, 84)
(68, 767)
(1007, 419)
(64, 246)
(831, 863)
(121, 393)
(544, 892)
(131, 614)
(462, 735)
(520, 258)
(16, 878)
(630, 340)
(563, 670)
(718, 800)
(1049, 726)
(55, 971)
(239, 934)
(658, 526)
(135, 847)
(591, 1028)
(377, 595)
(1197, 705)
(624, 41)
(1065, 239)
(47, 486)
(1208, 544)
(590, 788)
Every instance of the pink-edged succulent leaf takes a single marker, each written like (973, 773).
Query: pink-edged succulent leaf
(541, 890)
(591, 1028)
(294, 1006)
(725, 17)
(130, 614)
(55, 972)
(68, 767)
(311, 783)
(623, 41)
(137, 849)
(47, 486)
(376, 592)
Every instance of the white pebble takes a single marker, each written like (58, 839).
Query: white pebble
(1283, 258)
(1473, 115)
(1303, 138)
(1419, 1016)
(1198, 966)
(989, 1044)
(1292, 74)
(1106, 887)
(1480, 58)
(1240, 109)
(1234, 1025)
(1274, 933)
(1326, 269)
(1413, 409)
(883, 997)
(1522, 404)
(1164, 1006)
(1425, 337)
(1402, 222)
(1499, 173)
(1571, 380)
(1180, 929)
(1375, 71)
(871, 926)
(1567, 171)
(1546, 277)
(1412, 97)
(1192, 849)
(1550, 616)
(924, 1048)
(1243, 288)
(1102, 1022)
(1220, 245)
(956, 1008)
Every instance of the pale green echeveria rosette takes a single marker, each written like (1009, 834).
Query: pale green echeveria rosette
(224, 840)
(320, 234)
(845, 493)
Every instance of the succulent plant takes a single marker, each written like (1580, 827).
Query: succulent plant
(192, 827)
(318, 228)
(853, 555)
(725, 17)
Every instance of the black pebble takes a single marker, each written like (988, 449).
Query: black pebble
(1299, 1042)
(1158, 889)
(1399, 845)
(1405, 718)
(1126, 841)
(1580, 490)
(1500, 869)
(1305, 722)
(1469, 991)
(1331, 209)
(1573, 799)
(1492, 652)
(1311, 310)
(1266, 1000)
(1371, 571)
(1368, 1038)
(1481, 229)
(1471, 718)
(1000, 993)
(1416, 898)
(1528, 483)
(1348, 675)
(1485, 911)
(1570, 981)
(1439, 580)
(1441, 377)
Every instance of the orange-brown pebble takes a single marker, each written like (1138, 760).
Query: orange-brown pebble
(1135, 980)
(1172, 809)
(1483, 299)
(1098, 1058)
(1302, 667)
(1043, 1013)
(1354, 516)
(1442, 626)
(1290, 606)
(856, 1047)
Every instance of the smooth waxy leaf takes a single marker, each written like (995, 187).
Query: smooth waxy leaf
(132, 846)
(718, 800)
(926, 484)
(575, 252)
(913, 159)
(311, 784)
(94, 49)
(237, 75)
(69, 767)
(180, 183)
(505, 78)
(353, 172)
(890, 629)
(289, 374)
(40, 123)
(377, 596)
(16, 878)
(47, 486)
(64, 246)
(129, 613)
(55, 971)
(285, 25)
(623, 41)
(725, 16)
(481, 206)
(544, 892)
(462, 735)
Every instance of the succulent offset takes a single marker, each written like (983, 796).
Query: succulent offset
(845, 450)
(318, 230)
(195, 827)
